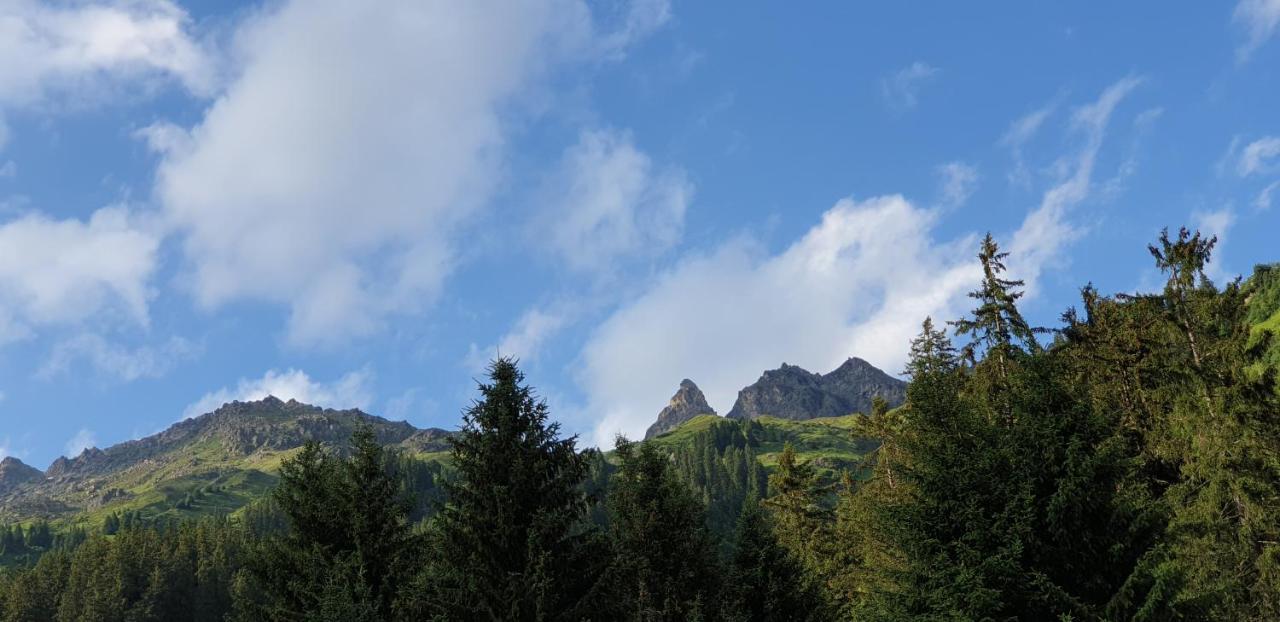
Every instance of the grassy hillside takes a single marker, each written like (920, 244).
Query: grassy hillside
(1264, 313)
(214, 464)
(828, 442)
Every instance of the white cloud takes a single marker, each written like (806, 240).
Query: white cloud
(959, 180)
(608, 203)
(902, 89)
(1216, 223)
(78, 49)
(1045, 231)
(1258, 156)
(67, 271)
(525, 340)
(639, 19)
(352, 390)
(337, 168)
(1020, 132)
(84, 439)
(860, 283)
(111, 359)
(1265, 198)
(1260, 19)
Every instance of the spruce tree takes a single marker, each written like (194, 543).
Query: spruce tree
(512, 542)
(665, 564)
(765, 582)
(348, 547)
(931, 351)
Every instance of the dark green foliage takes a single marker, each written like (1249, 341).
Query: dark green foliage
(512, 541)
(665, 564)
(721, 467)
(1129, 471)
(141, 574)
(348, 547)
(765, 582)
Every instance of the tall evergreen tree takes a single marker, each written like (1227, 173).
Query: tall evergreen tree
(931, 351)
(765, 582)
(511, 542)
(348, 547)
(665, 564)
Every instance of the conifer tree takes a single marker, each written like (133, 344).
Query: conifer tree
(348, 547)
(665, 564)
(931, 351)
(765, 582)
(512, 542)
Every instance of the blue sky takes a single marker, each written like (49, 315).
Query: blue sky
(357, 204)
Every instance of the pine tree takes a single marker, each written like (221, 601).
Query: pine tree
(996, 323)
(512, 542)
(765, 582)
(348, 547)
(665, 560)
(931, 351)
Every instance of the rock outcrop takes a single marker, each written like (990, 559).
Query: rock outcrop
(687, 403)
(14, 473)
(791, 392)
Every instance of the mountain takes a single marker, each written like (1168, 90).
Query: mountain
(791, 392)
(14, 473)
(687, 403)
(224, 459)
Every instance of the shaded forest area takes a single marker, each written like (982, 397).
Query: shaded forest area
(1122, 466)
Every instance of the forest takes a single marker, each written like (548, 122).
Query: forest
(1121, 466)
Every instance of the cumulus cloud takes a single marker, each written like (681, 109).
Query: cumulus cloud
(959, 180)
(78, 49)
(352, 390)
(334, 172)
(609, 202)
(84, 439)
(858, 283)
(1258, 157)
(115, 360)
(66, 271)
(1259, 19)
(901, 91)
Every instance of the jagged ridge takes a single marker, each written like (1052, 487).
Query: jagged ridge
(791, 392)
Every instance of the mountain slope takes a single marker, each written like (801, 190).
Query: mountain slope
(214, 463)
(791, 392)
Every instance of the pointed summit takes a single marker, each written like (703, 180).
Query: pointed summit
(14, 472)
(687, 403)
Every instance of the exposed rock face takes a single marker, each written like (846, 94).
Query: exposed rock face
(791, 392)
(687, 403)
(13, 473)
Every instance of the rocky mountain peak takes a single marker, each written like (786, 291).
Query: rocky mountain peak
(791, 392)
(687, 403)
(14, 472)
